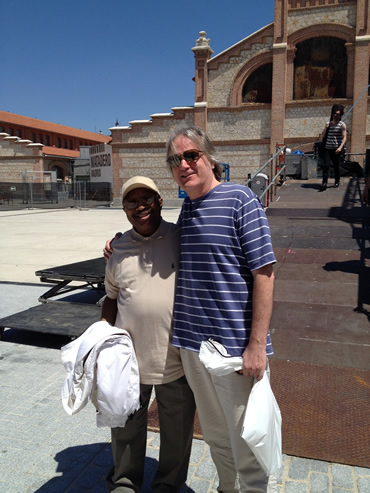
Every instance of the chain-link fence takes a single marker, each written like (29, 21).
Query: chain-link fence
(48, 195)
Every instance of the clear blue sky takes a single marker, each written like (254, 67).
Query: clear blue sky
(87, 63)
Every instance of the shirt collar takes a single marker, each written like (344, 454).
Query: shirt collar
(159, 233)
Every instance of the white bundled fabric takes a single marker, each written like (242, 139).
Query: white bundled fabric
(262, 426)
(216, 359)
(262, 420)
(101, 366)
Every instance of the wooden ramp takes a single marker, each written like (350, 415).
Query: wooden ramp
(320, 325)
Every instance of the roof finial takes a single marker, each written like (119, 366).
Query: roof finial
(202, 41)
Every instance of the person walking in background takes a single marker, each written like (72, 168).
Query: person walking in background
(334, 137)
(225, 292)
(140, 283)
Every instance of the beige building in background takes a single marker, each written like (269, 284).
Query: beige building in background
(276, 86)
(33, 146)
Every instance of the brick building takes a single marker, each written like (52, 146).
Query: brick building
(32, 145)
(275, 86)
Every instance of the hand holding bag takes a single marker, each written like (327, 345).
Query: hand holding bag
(262, 419)
(262, 426)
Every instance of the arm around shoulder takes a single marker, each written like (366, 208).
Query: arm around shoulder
(109, 310)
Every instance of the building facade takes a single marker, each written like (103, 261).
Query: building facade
(29, 145)
(274, 87)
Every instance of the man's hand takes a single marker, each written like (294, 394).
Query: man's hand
(108, 250)
(254, 360)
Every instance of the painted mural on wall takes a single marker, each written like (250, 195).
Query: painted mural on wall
(320, 69)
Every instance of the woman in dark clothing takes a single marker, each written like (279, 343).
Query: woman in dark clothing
(335, 135)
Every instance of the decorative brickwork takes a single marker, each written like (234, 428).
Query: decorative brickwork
(246, 134)
(57, 146)
(303, 18)
(18, 155)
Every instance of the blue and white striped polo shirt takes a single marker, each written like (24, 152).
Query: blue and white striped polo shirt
(224, 236)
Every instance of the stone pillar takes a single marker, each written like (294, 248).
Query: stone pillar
(280, 21)
(117, 163)
(279, 74)
(291, 52)
(350, 50)
(361, 77)
(360, 98)
(278, 96)
(202, 52)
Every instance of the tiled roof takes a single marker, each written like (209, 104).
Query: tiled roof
(12, 118)
(56, 151)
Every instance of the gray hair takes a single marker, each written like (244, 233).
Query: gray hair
(201, 139)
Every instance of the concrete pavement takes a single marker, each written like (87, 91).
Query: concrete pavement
(42, 448)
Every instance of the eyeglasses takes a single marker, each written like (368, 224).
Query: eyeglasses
(133, 204)
(190, 156)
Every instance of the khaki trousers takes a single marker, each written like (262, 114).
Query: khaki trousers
(221, 403)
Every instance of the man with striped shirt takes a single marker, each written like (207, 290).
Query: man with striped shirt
(224, 292)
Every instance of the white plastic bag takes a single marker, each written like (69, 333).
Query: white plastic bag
(262, 426)
(216, 359)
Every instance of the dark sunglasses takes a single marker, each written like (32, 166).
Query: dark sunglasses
(133, 204)
(190, 156)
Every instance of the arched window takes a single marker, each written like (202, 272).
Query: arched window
(258, 87)
(320, 69)
(59, 172)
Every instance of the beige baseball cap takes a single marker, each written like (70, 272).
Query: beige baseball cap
(138, 182)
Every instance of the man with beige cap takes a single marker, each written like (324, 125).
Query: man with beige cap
(140, 283)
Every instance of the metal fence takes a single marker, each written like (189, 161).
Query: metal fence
(34, 195)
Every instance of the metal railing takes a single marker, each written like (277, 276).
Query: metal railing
(275, 172)
(54, 195)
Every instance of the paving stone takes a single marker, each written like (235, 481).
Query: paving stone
(319, 466)
(295, 487)
(198, 451)
(200, 486)
(363, 485)
(206, 470)
(361, 471)
(299, 468)
(342, 476)
(319, 483)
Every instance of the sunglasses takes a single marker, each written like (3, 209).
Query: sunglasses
(133, 204)
(190, 156)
